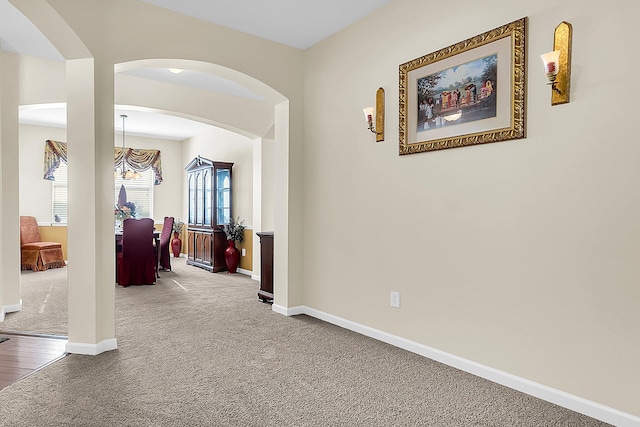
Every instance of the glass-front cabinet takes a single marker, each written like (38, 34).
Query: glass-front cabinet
(209, 195)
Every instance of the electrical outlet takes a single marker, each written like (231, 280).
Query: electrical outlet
(395, 299)
(244, 252)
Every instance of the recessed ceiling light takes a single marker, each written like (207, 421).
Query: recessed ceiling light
(176, 70)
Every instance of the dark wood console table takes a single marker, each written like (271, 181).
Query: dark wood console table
(266, 266)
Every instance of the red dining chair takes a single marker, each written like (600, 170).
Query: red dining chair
(165, 243)
(137, 260)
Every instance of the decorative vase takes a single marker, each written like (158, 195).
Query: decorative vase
(232, 257)
(176, 244)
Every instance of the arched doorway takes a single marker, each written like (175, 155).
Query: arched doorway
(90, 106)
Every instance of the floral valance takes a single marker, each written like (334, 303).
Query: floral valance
(139, 160)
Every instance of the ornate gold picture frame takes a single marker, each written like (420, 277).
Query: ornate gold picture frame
(472, 92)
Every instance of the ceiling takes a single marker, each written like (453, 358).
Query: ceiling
(296, 23)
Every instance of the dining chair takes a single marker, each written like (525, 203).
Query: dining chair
(165, 243)
(137, 261)
(35, 254)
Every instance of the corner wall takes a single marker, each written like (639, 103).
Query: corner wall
(520, 256)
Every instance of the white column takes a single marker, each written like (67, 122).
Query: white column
(287, 237)
(256, 219)
(9, 186)
(91, 247)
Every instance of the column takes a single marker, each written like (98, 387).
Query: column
(9, 186)
(91, 251)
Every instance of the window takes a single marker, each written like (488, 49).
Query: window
(59, 203)
(223, 202)
(139, 191)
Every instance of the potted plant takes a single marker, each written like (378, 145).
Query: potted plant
(234, 231)
(176, 243)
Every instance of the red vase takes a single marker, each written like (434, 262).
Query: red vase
(232, 257)
(176, 244)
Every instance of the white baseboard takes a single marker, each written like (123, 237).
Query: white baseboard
(12, 308)
(92, 349)
(558, 397)
(294, 311)
(245, 272)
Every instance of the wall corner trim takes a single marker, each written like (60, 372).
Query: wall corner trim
(12, 308)
(290, 311)
(92, 349)
(558, 397)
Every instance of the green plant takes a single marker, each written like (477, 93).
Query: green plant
(177, 226)
(234, 230)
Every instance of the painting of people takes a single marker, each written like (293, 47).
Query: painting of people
(460, 94)
(469, 93)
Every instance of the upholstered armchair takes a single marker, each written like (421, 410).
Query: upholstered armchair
(35, 254)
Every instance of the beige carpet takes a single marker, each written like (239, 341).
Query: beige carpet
(44, 303)
(209, 353)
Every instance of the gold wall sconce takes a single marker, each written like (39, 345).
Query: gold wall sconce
(379, 113)
(557, 64)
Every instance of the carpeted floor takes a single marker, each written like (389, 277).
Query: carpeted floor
(44, 304)
(199, 349)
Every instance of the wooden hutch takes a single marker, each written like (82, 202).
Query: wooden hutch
(209, 197)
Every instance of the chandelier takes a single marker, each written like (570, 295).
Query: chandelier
(126, 173)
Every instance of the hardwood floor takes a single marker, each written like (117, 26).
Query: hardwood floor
(23, 355)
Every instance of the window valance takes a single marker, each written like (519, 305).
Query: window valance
(139, 160)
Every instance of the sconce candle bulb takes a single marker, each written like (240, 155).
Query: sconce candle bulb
(368, 115)
(551, 67)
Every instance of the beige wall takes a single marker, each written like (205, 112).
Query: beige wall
(521, 256)
(41, 80)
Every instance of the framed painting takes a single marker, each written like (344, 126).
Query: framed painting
(472, 92)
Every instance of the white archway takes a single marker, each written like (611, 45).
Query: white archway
(90, 100)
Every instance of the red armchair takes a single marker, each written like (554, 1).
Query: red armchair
(137, 260)
(35, 254)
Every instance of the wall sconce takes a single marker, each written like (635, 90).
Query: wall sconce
(557, 64)
(379, 113)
